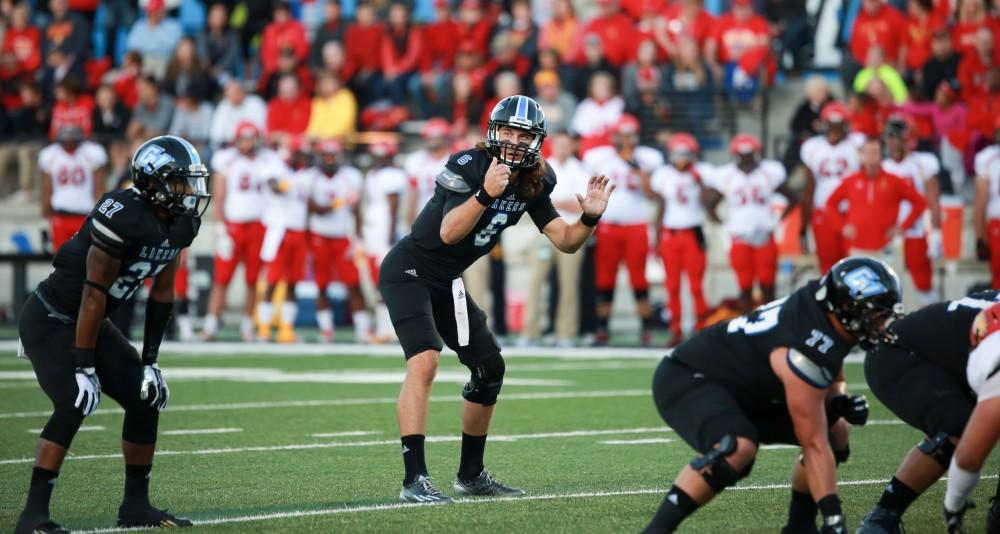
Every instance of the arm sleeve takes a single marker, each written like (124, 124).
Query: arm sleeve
(157, 319)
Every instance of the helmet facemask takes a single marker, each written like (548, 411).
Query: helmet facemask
(184, 192)
(513, 155)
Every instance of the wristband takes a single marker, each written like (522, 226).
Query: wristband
(83, 357)
(587, 220)
(484, 198)
(829, 505)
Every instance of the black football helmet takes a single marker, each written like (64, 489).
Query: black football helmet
(522, 113)
(168, 171)
(864, 294)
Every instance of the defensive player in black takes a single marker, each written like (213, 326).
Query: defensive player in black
(766, 377)
(921, 377)
(479, 193)
(131, 235)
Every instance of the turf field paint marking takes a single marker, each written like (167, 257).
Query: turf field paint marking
(85, 428)
(879, 422)
(346, 434)
(647, 441)
(777, 446)
(480, 500)
(545, 395)
(199, 431)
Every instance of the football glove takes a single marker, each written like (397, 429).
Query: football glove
(153, 388)
(953, 520)
(853, 408)
(834, 524)
(88, 390)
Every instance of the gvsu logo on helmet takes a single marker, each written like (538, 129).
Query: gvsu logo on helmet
(152, 158)
(864, 283)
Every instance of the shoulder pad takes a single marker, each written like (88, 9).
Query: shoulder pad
(810, 371)
(452, 181)
(117, 218)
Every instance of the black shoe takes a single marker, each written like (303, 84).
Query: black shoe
(148, 517)
(881, 521)
(993, 517)
(37, 525)
(485, 485)
(422, 490)
(800, 529)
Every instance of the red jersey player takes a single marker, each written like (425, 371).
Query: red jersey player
(680, 238)
(748, 185)
(72, 180)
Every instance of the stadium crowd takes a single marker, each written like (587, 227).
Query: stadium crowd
(290, 101)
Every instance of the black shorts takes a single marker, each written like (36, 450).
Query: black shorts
(48, 342)
(423, 312)
(924, 395)
(702, 411)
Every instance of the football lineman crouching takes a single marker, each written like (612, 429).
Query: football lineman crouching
(766, 377)
(75, 351)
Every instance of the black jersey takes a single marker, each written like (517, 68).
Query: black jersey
(461, 178)
(736, 353)
(123, 224)
(939, 333)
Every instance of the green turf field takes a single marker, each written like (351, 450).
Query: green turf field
(308, 443)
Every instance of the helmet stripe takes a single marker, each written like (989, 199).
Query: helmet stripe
(522, 108)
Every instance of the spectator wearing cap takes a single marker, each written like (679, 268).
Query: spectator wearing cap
(920, 26)
(363, 42)
(288, 64)
(649, 106)
(972, 16)
(647, 62)
(281, 34)
(740, 48)
(877, 24)
(155, 37)
(288, 112)
(332, 29)
(684, 19)
(474, 28)
(219, 45)
(188, 74)
(876, 68)
(557, 104)
(595, 62)
(192, 120)
(690, 89)
(597, 113)
(23, 40)
(561, 32)
(31, 123)
(73, 107)
(334, 110)
(943, 62)
(521, 28)
(615, 32)
(151, 116)
(66, 29)
(974, 69)
(236, 107)
(402, 47)
(790, 23)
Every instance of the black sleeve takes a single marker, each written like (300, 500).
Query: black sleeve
(113, 223)
(157, 319)
(542, 212)
(462, 177)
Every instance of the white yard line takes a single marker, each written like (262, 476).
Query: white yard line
(647, 441)
(346, 434)
(85, 428)
(199, 431)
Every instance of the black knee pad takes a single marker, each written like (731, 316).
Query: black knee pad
(62, 426)
(140, 426)
(939, 448)
(714, 468)
(487, 379)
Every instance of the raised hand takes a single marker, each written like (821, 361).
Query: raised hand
(599, 190)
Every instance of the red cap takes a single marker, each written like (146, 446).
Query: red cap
(329, 146)
(247, 130)
(682, 143)
(744, 144)
(985, 323)
(436, 127)
(835, 112)
(385, 147)
(626, 124)
(155, 6)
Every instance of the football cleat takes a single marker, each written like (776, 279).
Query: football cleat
(263, 333)
(799, 529)
(286, 334)
(485, 485)
(881, 521)
(38, 525)
(423, 491)
(149, 517)
(993, 517)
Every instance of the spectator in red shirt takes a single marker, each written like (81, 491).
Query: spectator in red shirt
(126, 81)
(402, 49)
(648, 26)
(741, 42)
(267, 87)
(873, 197)
(880, 24)
(686, 18)
(973, 70)
(440, 44)
(23, 40)
(983, 111)
(282, 33)
(474, 28)
(363, 43)
(506, 57)
(972, 16)
(288, 113)
(72, 107)
(920, 26)
(615, 31)
(561, 31)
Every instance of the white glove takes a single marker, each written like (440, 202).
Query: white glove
(89, 390)
(935, 246)
(153, 385)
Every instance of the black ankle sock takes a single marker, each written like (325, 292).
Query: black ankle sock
(676, 506)
(137, 484)
(43, 482)
(472, 456)
(802, 509)
(413, 457)
(897, 496)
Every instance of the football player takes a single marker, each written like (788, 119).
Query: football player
(479, 193)
(241, 174)
(623, 235)
(982, 431)
(423, 165)
(72, 179)
(826, 160)
(333, 225)
(771, 377)
(284, 247)
(920, 169)
(986, 217)
(680, 238)
(929, 351)
(748, 185)
(76, 353)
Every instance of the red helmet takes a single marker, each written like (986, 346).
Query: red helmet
(682, 143)
(247, 130)
(744, 144)
(436, 127)
(985, 323)
(835, 112)
(384, 148)
(626, 124)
